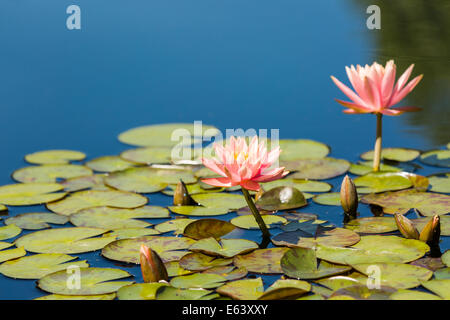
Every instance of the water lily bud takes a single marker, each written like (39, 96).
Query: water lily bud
(432, 231)
(181, 196)
(349, 196)
(406, 227)
(152, 267)
(259, 194)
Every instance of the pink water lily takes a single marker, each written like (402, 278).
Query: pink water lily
(376, 90)
(244, 165)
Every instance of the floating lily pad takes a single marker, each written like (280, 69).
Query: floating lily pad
(227, 248)
(64, 240)
(3, 208)
(301, 263)
(109, 164)
(444, 221)
(261, 260)
(199, 262)
(127, 233)
(405, 294)
(439, 287)
(54, 157)
(27, 194)
(446, 258)
(205, 228)
(338, 282)
(36, 221)
(437, 158)
(228, 272)
(310, 227)
(317, 169)
(247, 289)
(372, 225)
(440, 183)
(301, 185)
(176, 225)
(171, 293)
(198, 211)
(93, 281)
(148, 155)
(147, 179)
(92, 182)
(4, 245)
(379, 182)
(442, 274)
(127, 250)
(249, 221)
(193, 188)
(395, 154)
(431, 263)
(427, 203)
(39, 265)
(396, 275)
(95, 198)
(110, 296)
(328, 199)
(281, 198)
(286, 289)
(9, 231)
(362, 292)
(302, 149)
(50, 173)
(220, 200)
(205, 173)
(10, 254)
(197, 280)
(139, 291)
(174, 269)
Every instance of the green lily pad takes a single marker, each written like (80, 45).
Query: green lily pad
(27, 194)
(261, 260)
(437, 158)
(205, 228)
(299, 184)
(161, 135)
(39, 265)
(148, 155)
(36, 221)
(281, 198)
(439, 287)
(249, 221)
(362, 292)
(205, 173)
(379, 182)
(302, 149)
(9, 231)
(394, 154)
(301, 263)
(176, 225)
(111, 218)
(363, 168)
(10, 254)
(220, 200)
(372, 225)
(139, 291)
(317, 169)
(442, 274)
(50, 173)
(147, 179)
(127, 233)
(197, 280)
(440, 183)
(171, 293)
(444, 221)
(227, 248)
(54, 157)
(174, 269)
(64, 240)
(446, 258)
(199, 262)
(427, 203)
(4, 245)
(329, 199)
(194, 188)
(230, 273)
(3, 208)
(286, 289)
(110, 296)
(95, 198)
(405, 294)
(93, 281)
(430, 263)
(397, 275)
(127, 250)
(109, 164)
(246, 289)
(338, 282)
(92, 182)
(198, 211)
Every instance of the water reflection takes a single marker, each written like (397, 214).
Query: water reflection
(418, 31)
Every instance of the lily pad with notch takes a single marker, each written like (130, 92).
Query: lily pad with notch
(317, 169)
(50, 173)
(36, 220)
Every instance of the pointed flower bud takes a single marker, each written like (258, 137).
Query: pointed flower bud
(152, 267)
(406, 227)
(349, 196)
(432, 231)
(181, 196)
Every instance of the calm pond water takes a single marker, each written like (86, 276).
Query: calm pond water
(233, 64)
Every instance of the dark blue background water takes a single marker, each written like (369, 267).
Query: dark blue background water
(233, 64)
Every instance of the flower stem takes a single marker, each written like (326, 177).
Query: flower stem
(377, 149)
(256, 214)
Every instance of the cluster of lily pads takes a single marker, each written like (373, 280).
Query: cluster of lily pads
(103, 205)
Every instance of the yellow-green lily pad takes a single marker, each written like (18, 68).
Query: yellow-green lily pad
(171, 293)
(109, 164)
(329, 199)
(4, 245)
(362, 168)
(246, 289)
(27, 194)
(54, 157)
(302, 149)
(92, 182)
(194, 188)
(444, 222)
(197, 280)
(198, 211)
(174, 269)
(9, 231)
(405, 294)
(372, 225)
(205, 228)
(220, 200)
(110, 296)
(261, 260)
(127, 233)
(197, 261)
(440, 183)
(437, 158)
(317, 169)
(380, 181)
(176, 225)
(228, 272)
(249, 221)
(394, 154)
(10, 254)
(36, 220)
(50, 173)
(139, 291)
(446, 258)
(439, 287)
(281, 198)
(227, 248)
(286, 289)
(299, 184)
(148, 155)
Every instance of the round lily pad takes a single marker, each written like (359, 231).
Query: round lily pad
(405, 294)
(27, 194)
(197, 261)
(176, 225)
(228, 272)
(147, 179)
(139, 291)
(109, 164)
(440, 183)
(127, 233)
(302, 149)
(92, 182)
(249, 221)
(36, 220)
(148, 155)
(193, 188)
(50, 173)
(317, 169)
(110, 296)
(198, 211)
(205, 228)
(362, 292)
(10, 254)
(95, 198)
(64, 240)
(9, 231)
(395, 154)
(127, 250)
(444, 221)
(446, 258)
(166, 135)
(439, 287)
(261, 260)
(227, 248)
(338, 282)
(379, 182)
(220, 200)
(328, 199)
(437, 158)
(197, 280)
(92, 281)
(372, 225)
(286, 289)
(39, 265)
(246, 289)
(174, 269)
(4, 245)
(299, 184)
(363, 168)
(171, 293)
(54, 157)
(281, 198)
